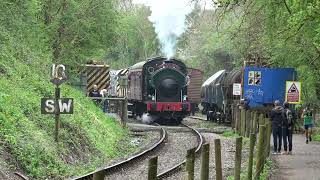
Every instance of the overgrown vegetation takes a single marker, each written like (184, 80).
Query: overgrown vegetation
(34, 34)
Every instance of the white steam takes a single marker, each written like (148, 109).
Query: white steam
(169, 19)
(147, 118)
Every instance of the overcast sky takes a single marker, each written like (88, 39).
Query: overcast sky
(205, 3)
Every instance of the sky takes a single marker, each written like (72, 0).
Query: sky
(169, 20)
(207, 4)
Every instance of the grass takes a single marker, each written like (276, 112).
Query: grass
(88, 138)
(263, 176)
(316, 134)
(230, 134)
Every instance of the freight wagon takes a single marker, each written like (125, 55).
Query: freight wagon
(261, 86)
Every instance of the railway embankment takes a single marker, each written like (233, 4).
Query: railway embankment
(87, 139)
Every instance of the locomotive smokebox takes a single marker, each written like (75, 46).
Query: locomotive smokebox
(169, 86)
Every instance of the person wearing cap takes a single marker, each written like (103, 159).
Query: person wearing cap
(308, 123)
(277, 120)
(287, 128)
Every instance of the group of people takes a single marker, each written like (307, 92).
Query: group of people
(283, 122)
(96, 94)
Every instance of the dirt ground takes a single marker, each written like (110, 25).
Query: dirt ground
(303, 164)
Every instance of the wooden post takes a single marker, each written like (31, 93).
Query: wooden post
(254, 122)
(248, 123)
(204, 175)
(260, 154)
(250, 163)
(153, 168)
(237, 167)
(190, 163)
(268, 136)
(261, 120)
(57, 114)
(124, 113)
(98, 175)
(243, 122)
(217, 150)
(237, 118)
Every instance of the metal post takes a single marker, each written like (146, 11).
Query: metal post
(250, 164)
(217, 150)
(57, 113)
(204, 175)
(190, 163)
(153, 168)
(237, 166)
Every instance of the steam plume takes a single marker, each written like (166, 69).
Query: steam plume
(168, 18)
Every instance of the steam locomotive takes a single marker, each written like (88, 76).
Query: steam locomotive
(158, 87)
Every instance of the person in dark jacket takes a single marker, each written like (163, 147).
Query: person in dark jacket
(287, 128)
(277, 120)
(95, 93)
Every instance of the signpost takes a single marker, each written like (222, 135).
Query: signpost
(57, 105)
(293, 92)
(236, 89)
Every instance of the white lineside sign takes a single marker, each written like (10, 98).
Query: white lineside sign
(293, 92)
(236, 89)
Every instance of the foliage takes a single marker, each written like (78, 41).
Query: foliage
(268, 33)
(136, 40)
(27, 48)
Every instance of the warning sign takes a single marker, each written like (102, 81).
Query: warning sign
(293, 92)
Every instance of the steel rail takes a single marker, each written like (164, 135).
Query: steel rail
(180, 165)
(122, 164)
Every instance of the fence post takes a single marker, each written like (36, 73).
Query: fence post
(250, 163)
(152, 168)
(268, 137)
(190, 163)
(204, 175)
(261, 120)
(237, 119)
(217, 150)
(243, 122)
(260, 154)
(98, 175)
(254, 122)
(124, 112)
(237, 167)
(248, 123)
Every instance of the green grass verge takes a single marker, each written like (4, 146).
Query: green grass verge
(263, 176)
(230, 134)
(88, 138)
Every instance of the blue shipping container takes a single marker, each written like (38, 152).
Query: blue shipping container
(262, 86)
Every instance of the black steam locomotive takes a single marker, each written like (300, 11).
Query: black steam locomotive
(158, 87)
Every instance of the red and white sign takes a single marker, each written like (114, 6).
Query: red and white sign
(293, 92)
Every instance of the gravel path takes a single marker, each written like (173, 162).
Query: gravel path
(228, 155)
(304, 163)
(172, 153)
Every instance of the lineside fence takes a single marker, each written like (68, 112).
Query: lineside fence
(114, 105)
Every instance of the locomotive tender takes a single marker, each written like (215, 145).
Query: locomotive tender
(158, 87)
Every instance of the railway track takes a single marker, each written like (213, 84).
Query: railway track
(180, 165)
(130, 160)
(121, 166)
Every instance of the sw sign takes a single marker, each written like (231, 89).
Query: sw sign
(64, 106)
